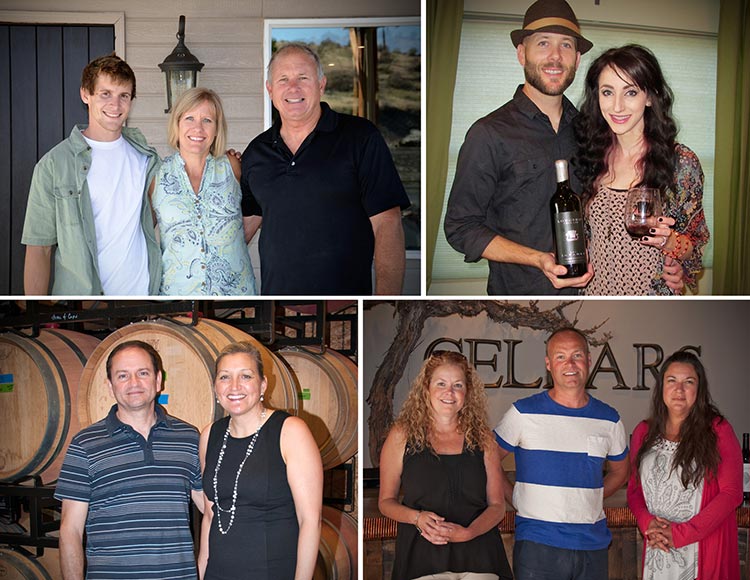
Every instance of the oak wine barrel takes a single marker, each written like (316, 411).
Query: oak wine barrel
(327, 401)
(337, 555)
(16, 566)
(39, 380)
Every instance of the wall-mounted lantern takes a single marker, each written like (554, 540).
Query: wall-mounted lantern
(181, 68)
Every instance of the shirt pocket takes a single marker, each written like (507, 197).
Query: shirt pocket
(529, 169)
(68, 204)
(597, 446)
(528, 177)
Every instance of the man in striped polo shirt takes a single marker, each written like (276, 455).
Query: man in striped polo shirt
(561, 439)
(127, 482)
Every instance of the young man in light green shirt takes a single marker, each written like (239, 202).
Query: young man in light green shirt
(88, 199)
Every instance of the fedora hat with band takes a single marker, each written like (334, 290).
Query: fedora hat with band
(551, 16)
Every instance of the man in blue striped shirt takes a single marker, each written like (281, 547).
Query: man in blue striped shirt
(127, 481)
(561, 439)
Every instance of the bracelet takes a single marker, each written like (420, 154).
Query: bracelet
(416, 523)
(680, 247)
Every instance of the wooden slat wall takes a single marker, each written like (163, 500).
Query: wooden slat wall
(5, 160)
(50, 80)
(23, 154)
(75, 57)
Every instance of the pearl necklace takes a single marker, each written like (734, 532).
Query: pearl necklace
(248, 452)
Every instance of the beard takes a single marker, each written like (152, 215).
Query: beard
(534, 78)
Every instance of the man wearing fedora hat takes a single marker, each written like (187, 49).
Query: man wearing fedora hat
(499, 203)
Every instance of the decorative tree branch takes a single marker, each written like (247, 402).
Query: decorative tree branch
(411, 319)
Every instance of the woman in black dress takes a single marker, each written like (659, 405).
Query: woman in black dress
(441, 454)
(262, 481)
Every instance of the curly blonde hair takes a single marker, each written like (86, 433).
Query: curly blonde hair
(415, 418)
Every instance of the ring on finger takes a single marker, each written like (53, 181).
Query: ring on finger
(663, 241)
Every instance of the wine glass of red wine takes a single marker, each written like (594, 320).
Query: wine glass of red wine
(642, 207)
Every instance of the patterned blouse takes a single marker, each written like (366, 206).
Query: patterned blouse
(666, 497)
(623, 266)
(202, 239)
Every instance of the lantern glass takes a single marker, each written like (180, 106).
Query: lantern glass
(178, 82)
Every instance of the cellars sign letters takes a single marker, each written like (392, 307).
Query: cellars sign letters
(648, 359)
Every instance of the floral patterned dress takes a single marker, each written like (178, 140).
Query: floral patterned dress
(202, 239)
(666, 497)
(625, 267)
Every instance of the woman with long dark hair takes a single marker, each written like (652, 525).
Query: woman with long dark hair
(686, 479)
(442, 455)
(627, 138)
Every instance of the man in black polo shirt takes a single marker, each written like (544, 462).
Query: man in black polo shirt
(327, 189)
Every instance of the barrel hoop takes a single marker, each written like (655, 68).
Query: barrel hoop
(66, 397)
(346, 528)
(71, 345)
(27, 566)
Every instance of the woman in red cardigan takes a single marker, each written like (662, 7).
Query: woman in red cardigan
(686, 479)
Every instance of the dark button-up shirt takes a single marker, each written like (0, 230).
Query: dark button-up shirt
(504, 180)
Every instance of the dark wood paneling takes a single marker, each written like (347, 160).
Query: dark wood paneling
(75, 58)
(49, 95)
(101, 41)
(50, 75)
(23, 92)
(6, 248)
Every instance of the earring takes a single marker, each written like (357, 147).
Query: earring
(261, 398)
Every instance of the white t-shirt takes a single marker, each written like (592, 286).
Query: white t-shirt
(116, 182)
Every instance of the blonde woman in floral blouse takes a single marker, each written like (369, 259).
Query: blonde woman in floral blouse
(626, 138)
(196, 200)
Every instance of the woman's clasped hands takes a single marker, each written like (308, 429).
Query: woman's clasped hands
(659, 534)
(436, 530)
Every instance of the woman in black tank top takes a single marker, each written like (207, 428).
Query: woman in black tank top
(262, 481)
(441, 454)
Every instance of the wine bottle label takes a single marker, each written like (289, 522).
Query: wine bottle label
(571, 245)
(746, 478)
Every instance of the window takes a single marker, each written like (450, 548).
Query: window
(488, 74)
(373, 67)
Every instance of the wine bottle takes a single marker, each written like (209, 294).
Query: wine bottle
(567, 225)
(746, 467)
